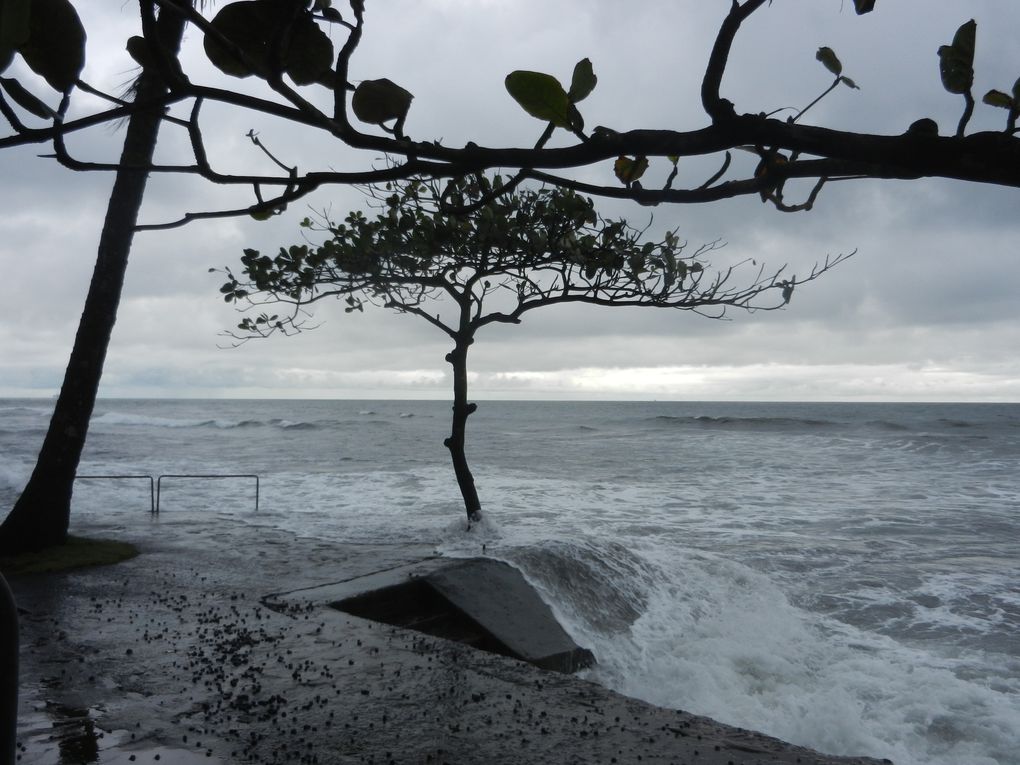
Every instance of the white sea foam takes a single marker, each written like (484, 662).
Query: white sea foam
(720, 639)
(118, 419)
(22, 409)
(13, 475)
(121, 419)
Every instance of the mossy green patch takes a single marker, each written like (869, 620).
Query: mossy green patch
(77, 552)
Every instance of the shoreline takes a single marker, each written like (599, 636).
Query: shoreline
(175, 653)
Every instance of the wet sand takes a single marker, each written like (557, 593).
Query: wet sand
(174, 657)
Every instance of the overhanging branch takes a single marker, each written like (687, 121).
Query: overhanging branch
(718, 108)
(815, 153)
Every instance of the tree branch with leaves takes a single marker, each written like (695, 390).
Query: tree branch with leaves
(288, 46)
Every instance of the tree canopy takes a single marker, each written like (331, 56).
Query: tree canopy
(520, 250)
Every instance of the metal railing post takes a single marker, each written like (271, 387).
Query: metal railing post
(8, 674)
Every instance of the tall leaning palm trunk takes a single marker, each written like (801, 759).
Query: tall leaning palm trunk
(41, 515)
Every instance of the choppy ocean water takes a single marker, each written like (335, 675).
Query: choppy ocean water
(843, 576)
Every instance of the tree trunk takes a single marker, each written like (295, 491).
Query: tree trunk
(8, 674)
(41, 515)
(455, 443)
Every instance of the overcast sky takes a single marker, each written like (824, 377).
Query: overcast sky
(926, 310)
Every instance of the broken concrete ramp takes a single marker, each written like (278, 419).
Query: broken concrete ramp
(481, 602)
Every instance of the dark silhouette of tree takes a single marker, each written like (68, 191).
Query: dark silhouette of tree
(42, 513)
(513, 253)
(284, 43)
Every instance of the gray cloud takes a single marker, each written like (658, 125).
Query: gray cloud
(925, 309)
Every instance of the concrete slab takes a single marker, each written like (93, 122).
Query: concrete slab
(480, 602)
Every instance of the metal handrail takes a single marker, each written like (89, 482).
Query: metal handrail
(152, 495)
(159, 482)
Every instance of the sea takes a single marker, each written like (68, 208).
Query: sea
(843, 576)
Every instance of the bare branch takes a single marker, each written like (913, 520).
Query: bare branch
(827, 91)
(719, 109)
(86, 88)
(719, 173)
(968, 111)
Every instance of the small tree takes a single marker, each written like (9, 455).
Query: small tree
(521, 251)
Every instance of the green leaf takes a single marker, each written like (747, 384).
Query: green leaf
(329, 79)
(582, 82)
(14, 23)
(138, 49)
(964, 39)
(576, 120)
(332, 15)
(636, 262)
(670, 261)
(261, 215)
(26, 100)
(541, 96)
(998, 98)
(247, 24)
(864, 6)
(849, 83)
(55, 48)
(629, 170)
(674, 158)
(956, 61)
(378, 101)
(309, 54)
(829, 60)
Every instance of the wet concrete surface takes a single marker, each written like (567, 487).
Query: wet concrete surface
(174, 657)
